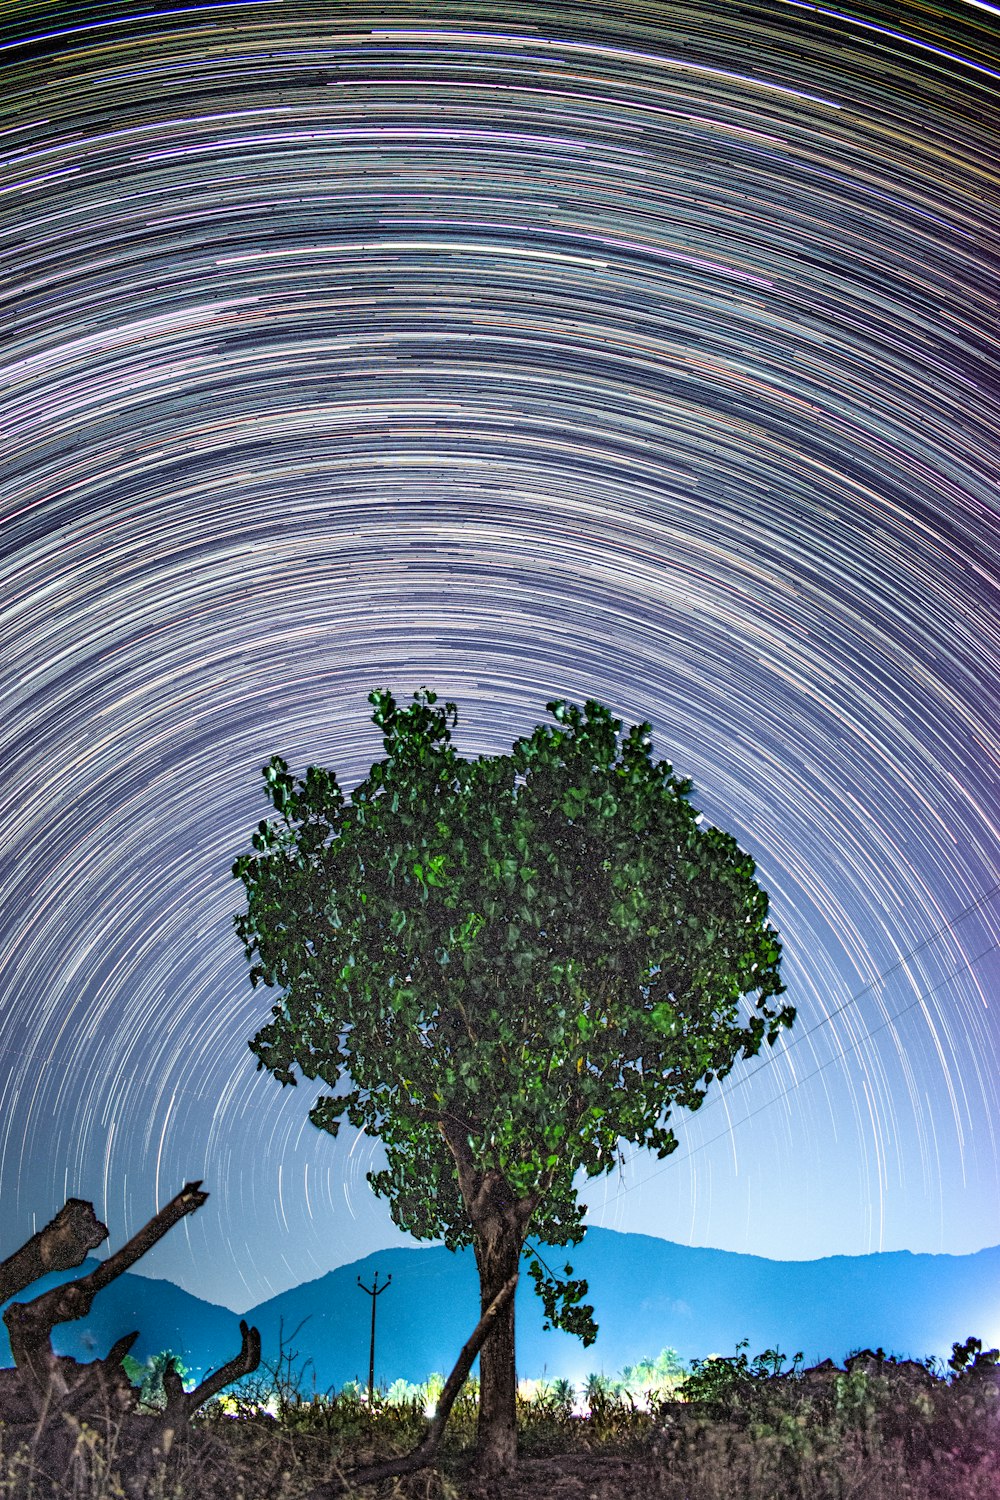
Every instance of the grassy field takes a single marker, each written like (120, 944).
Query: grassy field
(730, 1429)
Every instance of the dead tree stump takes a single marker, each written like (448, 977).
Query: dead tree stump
(46, 1399)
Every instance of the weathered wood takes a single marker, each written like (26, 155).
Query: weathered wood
(30, 1323)
(65, 1242)
(102, 1384)
(48, 1397)
(182, 1404)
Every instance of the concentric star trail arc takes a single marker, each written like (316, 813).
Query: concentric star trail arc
(638, 352)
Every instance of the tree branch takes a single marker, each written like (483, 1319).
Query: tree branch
(470, 1179)
(424, 1455)
(30, 1323)
(64, 1243)
(241, 1364)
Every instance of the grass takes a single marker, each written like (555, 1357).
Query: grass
(733, 1429)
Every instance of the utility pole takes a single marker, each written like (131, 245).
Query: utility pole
(373, 1292)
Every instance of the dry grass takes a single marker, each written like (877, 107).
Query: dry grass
(874, 1436)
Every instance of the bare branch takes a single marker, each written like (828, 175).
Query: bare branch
(187, 1201)
(241, 1364)
(175, 1411)
(424, 1455)
(463, 1365)
(64, 1243)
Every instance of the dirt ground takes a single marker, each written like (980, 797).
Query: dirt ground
(571, 1476)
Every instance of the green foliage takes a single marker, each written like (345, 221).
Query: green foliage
(562, 1396)
(721, 1382)
(536, 955)
(562, 1299)
(149, 1376)
(663, 1374)
(890, 1435)
(599, 1392)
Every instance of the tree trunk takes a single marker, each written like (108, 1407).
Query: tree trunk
(499, 1224)
(498, 1240)
(422, 1457)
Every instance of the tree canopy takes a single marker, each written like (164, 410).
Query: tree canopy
(507, 966)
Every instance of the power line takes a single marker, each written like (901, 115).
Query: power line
(776, 1098)
(800, 1036)
(900, 962)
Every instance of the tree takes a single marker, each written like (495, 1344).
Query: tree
(504, 968)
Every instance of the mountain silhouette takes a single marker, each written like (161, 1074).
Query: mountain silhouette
(648, 1294)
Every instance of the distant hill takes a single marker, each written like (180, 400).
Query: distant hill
(648, 1294)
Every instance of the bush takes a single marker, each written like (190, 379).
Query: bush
(724, 1384)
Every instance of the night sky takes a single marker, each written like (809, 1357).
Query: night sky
(643, 352)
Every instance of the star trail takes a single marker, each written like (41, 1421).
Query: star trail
(643, 352)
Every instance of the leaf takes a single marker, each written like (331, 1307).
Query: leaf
(664, 1018)
(562, 1300)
